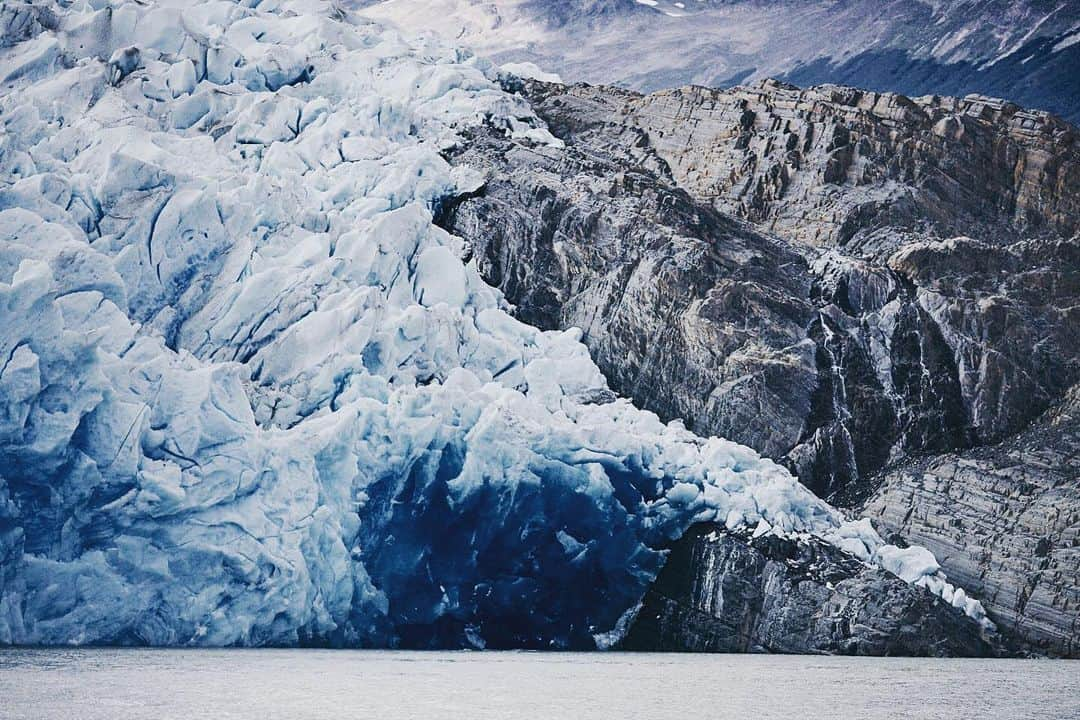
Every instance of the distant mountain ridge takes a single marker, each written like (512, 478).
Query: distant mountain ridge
(1025, 51)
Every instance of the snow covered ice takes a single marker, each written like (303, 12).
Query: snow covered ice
(250, 394)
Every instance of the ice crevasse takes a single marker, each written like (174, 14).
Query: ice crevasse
(250, 394)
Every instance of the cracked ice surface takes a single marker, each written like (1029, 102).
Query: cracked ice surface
(250, 394)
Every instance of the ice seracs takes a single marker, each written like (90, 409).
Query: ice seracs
(250, 394)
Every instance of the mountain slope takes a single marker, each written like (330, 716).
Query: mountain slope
(1025, 51)
(1008, 518)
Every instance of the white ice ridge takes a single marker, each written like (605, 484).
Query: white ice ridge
(250, 394)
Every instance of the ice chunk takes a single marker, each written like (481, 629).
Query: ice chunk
(122, 63)
(181, 78)
(909, 564)
(440, 278)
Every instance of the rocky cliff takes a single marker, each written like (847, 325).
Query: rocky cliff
(846, 281)
(840, 166)
(722, 592)
(1006, 522)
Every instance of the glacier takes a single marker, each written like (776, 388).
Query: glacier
(251, 395)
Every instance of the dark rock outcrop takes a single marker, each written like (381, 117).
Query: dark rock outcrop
(692, 314)
(722, 592)
(843, 280)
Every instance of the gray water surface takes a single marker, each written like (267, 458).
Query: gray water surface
(57, 684)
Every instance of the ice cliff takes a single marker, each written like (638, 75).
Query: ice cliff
(250, 394)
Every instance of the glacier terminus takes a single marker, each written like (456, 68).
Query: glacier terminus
(250, 393)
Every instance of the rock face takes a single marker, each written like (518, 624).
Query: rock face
(873, 333)
(687, 311)
(904, 281)
(1005, 520)
(868, 171)
(720, 592)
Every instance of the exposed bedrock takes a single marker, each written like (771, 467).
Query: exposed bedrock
(845, 281)
(839, 166)
(693, 314)
(1005, 522)
(722, 592)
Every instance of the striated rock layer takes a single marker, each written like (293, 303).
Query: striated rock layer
(721, 592)
(1005, 520)
(840, 166)
(904, 281)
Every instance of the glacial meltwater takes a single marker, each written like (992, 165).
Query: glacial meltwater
(88, 684)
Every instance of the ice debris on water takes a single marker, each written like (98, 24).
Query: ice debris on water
(250, 394)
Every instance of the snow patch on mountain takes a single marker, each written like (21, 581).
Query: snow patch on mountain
(250, 394)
